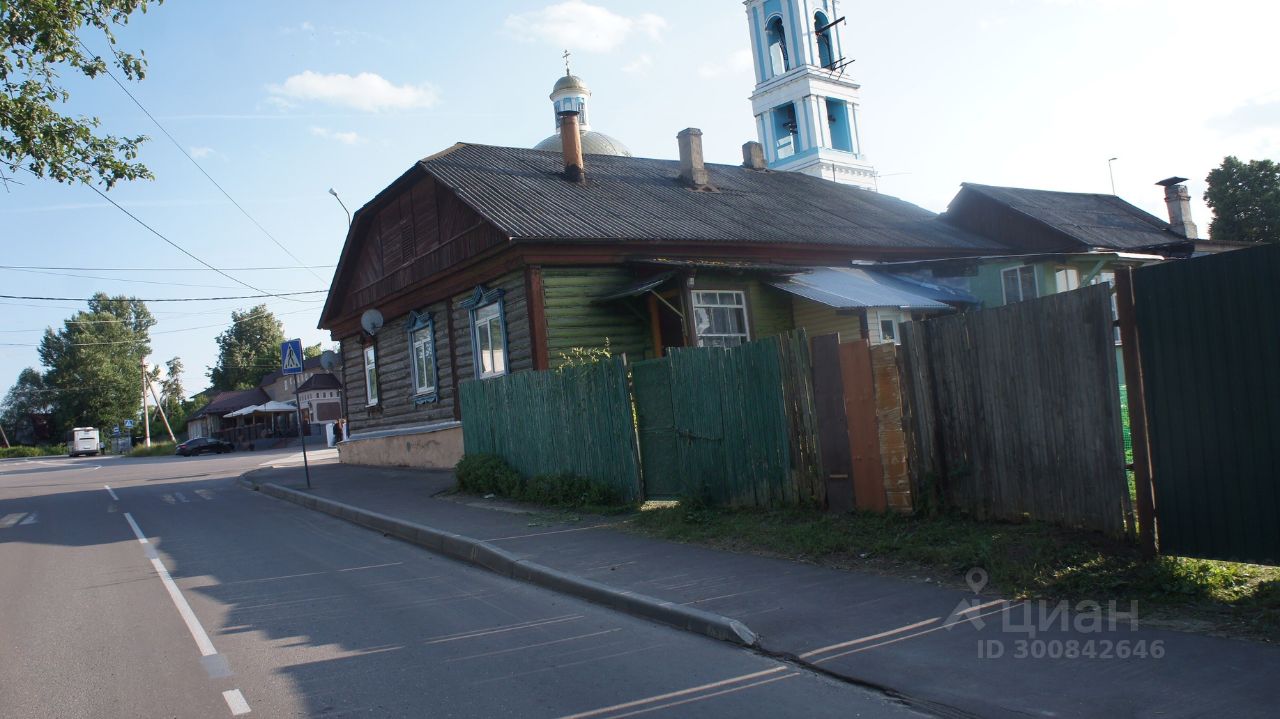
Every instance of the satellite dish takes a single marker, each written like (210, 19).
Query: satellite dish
(329, 360)
(371, 321)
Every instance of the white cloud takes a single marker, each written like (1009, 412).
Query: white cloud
(638, 66)
(367, 91)
(199, 152)
(346, 138)
(579, 25)
(739, 61)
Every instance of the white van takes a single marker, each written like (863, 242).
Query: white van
(82, 440)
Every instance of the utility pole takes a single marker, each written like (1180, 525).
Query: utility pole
(1111, 173)
(163, 416)
(146, 418)
(4, 436)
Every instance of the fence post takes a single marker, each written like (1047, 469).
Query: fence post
(1137, 399)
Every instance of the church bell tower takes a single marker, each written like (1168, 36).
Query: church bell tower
(805, 104)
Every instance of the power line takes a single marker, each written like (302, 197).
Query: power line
(116, 279)
(281, 295)
(187, 155)
(175, 245)
(162, 269)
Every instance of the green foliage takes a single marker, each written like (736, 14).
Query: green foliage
(42, 451)
(39, 41)
(310, 351)
(157, 449)
(93, 362)
(1026, 560)
(29, 395)
(582, 356)
(490, 474)
(1245, 199)
(248, 349)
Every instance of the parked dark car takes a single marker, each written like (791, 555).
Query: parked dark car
(199, 445)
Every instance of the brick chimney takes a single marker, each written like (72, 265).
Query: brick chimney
(753, 155)
(693, 172)
(571, 145)
(1178, 199)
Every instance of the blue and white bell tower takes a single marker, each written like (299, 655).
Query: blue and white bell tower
(805, 103)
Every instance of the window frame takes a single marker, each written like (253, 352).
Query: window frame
(423, 323)
(480, 302)
(693, 315)
(371, 388)
(1035, 283)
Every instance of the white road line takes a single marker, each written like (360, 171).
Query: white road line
(11, 519)
(236, 702)
(111, 492)
(31, 519)
(180, 497)
(179, 601)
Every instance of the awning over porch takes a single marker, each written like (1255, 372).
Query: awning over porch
(272, 407)
(636, 289)
(856, 288)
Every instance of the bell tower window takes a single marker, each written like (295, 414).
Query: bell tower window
(785, 131)
(838, 122)
(826, 58)
(776, 37)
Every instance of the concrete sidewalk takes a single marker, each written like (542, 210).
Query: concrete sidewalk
(948, 652)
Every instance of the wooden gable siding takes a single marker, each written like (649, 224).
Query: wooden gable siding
(416, 233)
(396, 404)
(573, 321)
(818, 319)
(516, 313)
(986, 217)
(768, 309)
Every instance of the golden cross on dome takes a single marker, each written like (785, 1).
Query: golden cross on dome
(566, 62)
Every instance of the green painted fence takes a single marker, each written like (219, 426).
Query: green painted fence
(1209, 333)
(574, 420)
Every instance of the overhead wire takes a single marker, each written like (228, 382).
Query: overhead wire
(187, 155)
(281, 295)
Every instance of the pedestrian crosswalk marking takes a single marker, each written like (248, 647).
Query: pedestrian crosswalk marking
(31, 519)
(9, 520)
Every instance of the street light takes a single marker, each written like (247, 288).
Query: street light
(1109, 172)
(340, 202)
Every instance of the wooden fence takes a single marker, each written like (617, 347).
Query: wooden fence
(572, 420)
(733, 425)
(1015, 412)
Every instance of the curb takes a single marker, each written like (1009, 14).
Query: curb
(500, 561)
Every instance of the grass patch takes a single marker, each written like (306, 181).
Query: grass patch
(1024, 560)
(487, 474)
(42, 451)
(157, 449)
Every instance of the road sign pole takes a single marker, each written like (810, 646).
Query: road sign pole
(302, 437)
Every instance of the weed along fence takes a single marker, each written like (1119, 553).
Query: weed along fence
(577, 420)
(1015, 411)
(735, 426)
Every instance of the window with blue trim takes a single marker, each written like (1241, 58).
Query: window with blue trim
(488, 331)
(422, 355)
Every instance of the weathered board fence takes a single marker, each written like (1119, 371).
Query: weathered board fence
(735, 426)
(1014, 411)
(573, 420)
(1209, 337)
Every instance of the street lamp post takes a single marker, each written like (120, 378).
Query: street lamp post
(1111, 173)
(340, 202)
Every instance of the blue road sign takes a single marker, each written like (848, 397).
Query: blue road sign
(115, 431)
(291, 357)
(128, 424)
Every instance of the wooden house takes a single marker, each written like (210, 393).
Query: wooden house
(482, 260)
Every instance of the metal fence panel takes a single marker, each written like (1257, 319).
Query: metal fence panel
(1209, 332)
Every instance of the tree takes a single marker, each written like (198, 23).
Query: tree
(314, 350)
(172, 394)
(1245, 199)
(29, 395)
(248, 349)
(93, 362)
(38, 40)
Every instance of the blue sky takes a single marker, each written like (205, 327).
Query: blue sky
(280, 101)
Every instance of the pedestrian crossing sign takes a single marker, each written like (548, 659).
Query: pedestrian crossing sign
(291, 357)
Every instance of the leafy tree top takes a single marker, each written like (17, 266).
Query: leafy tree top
(248, 349)
(1245, 199)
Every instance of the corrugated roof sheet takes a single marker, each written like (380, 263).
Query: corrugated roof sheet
(854, 287)
(230, 401)
(1093, 220)
(631, 198)
(324, 380)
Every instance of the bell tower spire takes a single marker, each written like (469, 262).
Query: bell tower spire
(806, 105)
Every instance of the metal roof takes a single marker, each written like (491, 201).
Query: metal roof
(854, 288)
(523, 192)
(1093, 220)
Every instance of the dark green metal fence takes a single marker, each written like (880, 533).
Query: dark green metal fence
(573, 420)
(1209, 333)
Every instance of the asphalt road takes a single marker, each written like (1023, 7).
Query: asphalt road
(237, 603)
